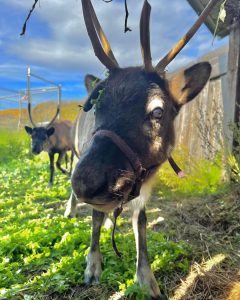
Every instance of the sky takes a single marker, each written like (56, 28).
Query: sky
(56, 45)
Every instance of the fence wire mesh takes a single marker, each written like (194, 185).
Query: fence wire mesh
(44, 96)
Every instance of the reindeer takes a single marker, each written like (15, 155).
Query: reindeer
(53, 138)
(131, 134)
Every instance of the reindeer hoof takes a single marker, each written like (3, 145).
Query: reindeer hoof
(88, 280)
(68, 214)
(94, 267)
(91, 278)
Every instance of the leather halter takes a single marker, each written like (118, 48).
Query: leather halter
(125, 149)
(141, 173)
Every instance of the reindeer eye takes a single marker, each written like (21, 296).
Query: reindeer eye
(157, 113)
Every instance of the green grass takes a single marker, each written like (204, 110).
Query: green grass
(42, 253)
(203, 177)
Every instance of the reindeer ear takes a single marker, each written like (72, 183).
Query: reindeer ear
(90, 82)
(28, 130)
(92, 86)
(186, 85)
(94, 95)
(50, 131)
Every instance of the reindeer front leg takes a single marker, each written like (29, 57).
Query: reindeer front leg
(71, 161)
(144, 273)
(94, 258)
(51, 159)
(66, 160)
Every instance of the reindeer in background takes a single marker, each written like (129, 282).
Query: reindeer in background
(54, 138)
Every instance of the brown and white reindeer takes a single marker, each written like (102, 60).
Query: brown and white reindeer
(55, 137)
(131, 134)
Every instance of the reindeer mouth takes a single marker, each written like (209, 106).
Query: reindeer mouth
(109, 196)
(36, 151)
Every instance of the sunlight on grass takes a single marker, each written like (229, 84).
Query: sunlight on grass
(196, 271)
(41, 252)
(116, 296)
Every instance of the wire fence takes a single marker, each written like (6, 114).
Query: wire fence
(44, 96)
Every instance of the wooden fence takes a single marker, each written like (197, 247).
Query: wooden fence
(202, 126)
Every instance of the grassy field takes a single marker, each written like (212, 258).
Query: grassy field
(10, 118)
(193, 234)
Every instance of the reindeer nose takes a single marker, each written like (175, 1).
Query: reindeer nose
(36, 150)
(88, 181)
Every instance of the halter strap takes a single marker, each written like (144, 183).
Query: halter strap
(133, 157)
(125, 149)
(141, 173)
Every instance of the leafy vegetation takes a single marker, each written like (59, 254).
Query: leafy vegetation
(234, 158)
(41, 252)
(221, 16)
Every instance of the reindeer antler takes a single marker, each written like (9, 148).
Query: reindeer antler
(104, 52)
(98, 39)
(31, 119)
(145, 36)
(55, 116)
(30, 114)
(160, 67)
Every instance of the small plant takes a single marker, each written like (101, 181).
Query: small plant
(97, 102)
(221, 17)
(137, 292)
(94, 83)
(235, 128)
(234, 158)
(235, 168)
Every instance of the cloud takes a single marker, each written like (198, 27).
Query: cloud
(68, 46)
(56, 42)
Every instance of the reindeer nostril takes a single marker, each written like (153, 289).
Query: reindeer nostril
(101, 189)
(36, 150)
(88, 186)
(88, 191)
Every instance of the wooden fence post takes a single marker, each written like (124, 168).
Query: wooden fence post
(234, 73)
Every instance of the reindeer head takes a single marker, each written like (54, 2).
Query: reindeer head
(40, 135)
(138, 105)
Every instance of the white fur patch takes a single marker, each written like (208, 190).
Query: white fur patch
(157, 144)
(145, 193)
(155, 102)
